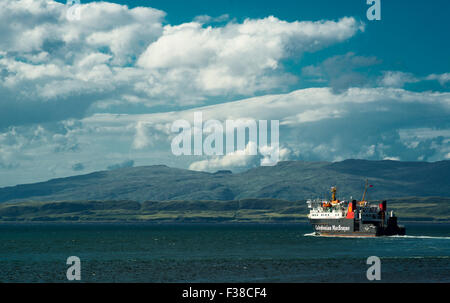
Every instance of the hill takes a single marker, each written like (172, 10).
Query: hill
(291, 181)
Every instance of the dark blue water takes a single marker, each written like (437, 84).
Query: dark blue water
(218, 253)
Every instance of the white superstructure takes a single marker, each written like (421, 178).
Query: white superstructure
(326, 210)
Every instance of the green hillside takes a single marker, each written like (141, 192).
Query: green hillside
(431, 209)
(264, 194)
(292, 181)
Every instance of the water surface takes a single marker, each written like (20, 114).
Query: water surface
(217, 253)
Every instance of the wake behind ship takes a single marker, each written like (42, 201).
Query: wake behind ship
(352, 218)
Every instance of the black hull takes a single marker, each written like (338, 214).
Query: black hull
(355, 228)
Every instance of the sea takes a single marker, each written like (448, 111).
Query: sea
(141, 252)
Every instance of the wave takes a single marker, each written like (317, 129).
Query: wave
(313, 234)
(420, 237)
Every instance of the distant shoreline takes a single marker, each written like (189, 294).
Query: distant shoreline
(183, 223)
(252, 211)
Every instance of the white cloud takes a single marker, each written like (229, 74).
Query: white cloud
(397, 79)
(238, 58)
(313, 115)
(442, 78)
(424, 133)
(43, 23)
(236, 159)
(141, 139)
(243, 159)
(255, 42)
(300, 106)
(45, 57)
(203, 19)
(334, 126)
(114, 52)
(309, 121)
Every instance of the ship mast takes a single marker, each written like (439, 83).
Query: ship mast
(333, 193)
(365, 190)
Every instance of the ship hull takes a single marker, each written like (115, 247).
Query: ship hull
(354, 228)
(347, 235)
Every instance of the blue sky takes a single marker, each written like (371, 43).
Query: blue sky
(101, 92)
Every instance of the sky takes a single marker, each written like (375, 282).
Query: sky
(99, 89)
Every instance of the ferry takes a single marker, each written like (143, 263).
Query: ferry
(352, 218)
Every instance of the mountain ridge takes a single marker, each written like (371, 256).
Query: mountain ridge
(288, 180)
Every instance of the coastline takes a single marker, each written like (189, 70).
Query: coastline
(237, 223)
(434, 210)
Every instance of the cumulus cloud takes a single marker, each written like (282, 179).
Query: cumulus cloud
(243, 159)
(233, 160)
(442, 78)
(397, 79)
(52, 68)
(239, 58)
(43, 27)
